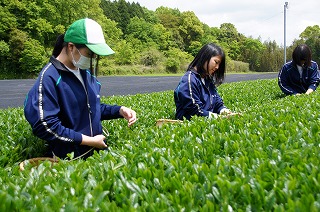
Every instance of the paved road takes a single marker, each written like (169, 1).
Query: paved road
(13, 92)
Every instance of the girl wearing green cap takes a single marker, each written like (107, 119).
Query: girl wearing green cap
(63, 107)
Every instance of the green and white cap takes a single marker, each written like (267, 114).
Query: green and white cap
(89, 32)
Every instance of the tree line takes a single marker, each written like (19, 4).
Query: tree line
(145, 41)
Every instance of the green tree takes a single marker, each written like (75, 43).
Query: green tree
(28, 26)
(8, 22)
(177, 60)
(150, 16)
(162, 37)
(251, 50)
(140, 29)
(135, 10)
(228, 32)
(124, 14)
(112, 33)
(40, 29)
(191, 29)
(271, 57)
(4, 55)
(35, 22)
(210, 35)
(171, 20)
(311, 37)
(121, 12)
(151, 57)
(229, 37)
(125, 54)
(194, 47)
(33, 57)
(16, 43)
(110, 10)
(149, 34)
(310, 32)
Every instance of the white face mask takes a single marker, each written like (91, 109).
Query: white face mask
(83, 62)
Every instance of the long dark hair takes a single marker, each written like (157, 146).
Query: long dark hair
(204, 55)
(301, 52)
(60, 43)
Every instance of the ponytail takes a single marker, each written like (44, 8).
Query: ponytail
(58, 46)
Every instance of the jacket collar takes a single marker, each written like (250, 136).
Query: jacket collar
(199, 76)
(58, 64)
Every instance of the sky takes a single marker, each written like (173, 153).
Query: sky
(262, 19)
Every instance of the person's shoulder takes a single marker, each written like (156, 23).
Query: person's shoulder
(90, 76)
(57, 64)
(287, 65)
(314, 64)
(190, 74)
(49, 71)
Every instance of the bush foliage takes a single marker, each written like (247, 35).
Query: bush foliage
(265, 160)
(29, 29)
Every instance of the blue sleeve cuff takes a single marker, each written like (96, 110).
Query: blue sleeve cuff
(110, 112)
(77, 138)
(205, 113)
(313, 86)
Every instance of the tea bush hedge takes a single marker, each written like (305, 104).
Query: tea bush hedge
(267, 159)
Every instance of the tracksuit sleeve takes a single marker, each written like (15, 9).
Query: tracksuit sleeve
(314, 78)
(189, 95)
(219, 103)
(41, 111)
(110, 112)
(283, 78)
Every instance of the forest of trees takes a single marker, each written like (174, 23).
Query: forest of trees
(145, 41)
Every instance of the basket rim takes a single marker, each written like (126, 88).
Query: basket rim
(36, 160)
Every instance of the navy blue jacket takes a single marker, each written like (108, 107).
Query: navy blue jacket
(290, 81)
(60, 109)
(193, 97)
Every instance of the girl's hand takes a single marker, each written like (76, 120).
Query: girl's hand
(95, 141)
(225, 111)
(128, 114)
(309, 91)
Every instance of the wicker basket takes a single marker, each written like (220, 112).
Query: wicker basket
(160, 122)
(36, 161)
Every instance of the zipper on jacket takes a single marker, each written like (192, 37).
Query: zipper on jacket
(89, 110)
(88, 104)
(301, 78)
(300, 84)
(210, 95)
(85, 90)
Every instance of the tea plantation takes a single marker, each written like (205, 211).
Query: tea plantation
(265, 160)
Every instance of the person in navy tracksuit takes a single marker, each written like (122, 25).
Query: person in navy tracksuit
(63, 107)
(196, 93)
(301, 75)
